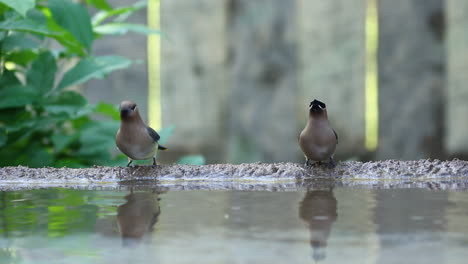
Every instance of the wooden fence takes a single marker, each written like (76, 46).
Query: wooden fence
(237, 76)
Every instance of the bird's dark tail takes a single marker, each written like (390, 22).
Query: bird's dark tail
(162, 147)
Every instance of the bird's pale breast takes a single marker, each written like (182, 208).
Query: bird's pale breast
(136, 144)
(318, 143)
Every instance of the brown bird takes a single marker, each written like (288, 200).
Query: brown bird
(134, 138)
(137, 216)
(318, 139)
(318, 210)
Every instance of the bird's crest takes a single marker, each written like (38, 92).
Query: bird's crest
(318, 103)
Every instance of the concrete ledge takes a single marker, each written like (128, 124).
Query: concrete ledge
(249, 176)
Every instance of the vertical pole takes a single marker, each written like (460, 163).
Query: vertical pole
(372, 89)
(154, 62)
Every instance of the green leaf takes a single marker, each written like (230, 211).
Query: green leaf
(69, 162)
(3, 137)
(12, 116)
(20, 6)
(68, 102)
(3, 9)
(108, 110)
(15, 96)
(123, 12)
(42, 72)
(19, 137)
(26, 25)
(84, 111)
(63, 36)
(100, 4)
(38, 14)
(80, 122)
(61, 141)
(89, 68)
(18, 41)
(74, 18)
(9, 79)
(98, 137)
(135, 7)
(35, 155)
(123, 28)
(165, 134)
(21, 57)
(41, 23)
(40, 158)
(192, 159)
(37, 123)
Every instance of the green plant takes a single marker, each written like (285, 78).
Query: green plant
(43, 120)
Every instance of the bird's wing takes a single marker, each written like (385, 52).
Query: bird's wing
(153, 134)
(336, 136)
(161, 147)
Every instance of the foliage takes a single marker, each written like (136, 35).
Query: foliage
(43, 120)
(192, 159)
(63, 217)
(68, 209)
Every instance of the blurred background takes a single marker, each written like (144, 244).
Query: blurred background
(237, 76)
(233, 78)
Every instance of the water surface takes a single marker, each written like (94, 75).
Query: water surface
(328, 226)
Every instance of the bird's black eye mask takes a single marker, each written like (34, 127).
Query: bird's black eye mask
(126, 111)
(316, 104)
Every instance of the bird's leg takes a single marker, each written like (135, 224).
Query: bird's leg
(154, 162)
(307, 164)
(331, 163)
(129, 162)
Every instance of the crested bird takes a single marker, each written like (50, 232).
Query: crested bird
(318, 139)
(138, 216)
(134, 138)
(318, 209)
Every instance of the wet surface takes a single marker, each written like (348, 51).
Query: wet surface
(157, 225)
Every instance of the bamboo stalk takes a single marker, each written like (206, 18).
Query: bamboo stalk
(154, 63)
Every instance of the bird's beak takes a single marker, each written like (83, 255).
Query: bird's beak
(126, 112)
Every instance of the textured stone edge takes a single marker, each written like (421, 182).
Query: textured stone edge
(433, 174)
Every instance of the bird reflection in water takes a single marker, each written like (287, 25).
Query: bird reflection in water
(318, 210)
(137, 216)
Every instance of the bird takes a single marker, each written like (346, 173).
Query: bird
(138, 216)
(318, 139)
(134, 138)
(318, 209)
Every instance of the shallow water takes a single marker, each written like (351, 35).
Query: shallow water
(339, 226)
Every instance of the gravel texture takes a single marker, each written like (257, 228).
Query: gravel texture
(433, 174)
